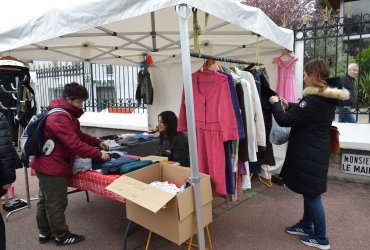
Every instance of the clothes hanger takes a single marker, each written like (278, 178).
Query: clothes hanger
(285, 52)
(2, 106)
(208, 64)
(249, 67)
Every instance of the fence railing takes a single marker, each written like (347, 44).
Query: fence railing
(341, 41)
(111, 88)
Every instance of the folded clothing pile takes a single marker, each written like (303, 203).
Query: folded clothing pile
(120, 165)
(134, 139)
(170, 187)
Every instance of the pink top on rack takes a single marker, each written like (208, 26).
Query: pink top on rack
(285, 84)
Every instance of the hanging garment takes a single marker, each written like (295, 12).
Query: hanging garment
(257, 108)
(215, 123)
(26, 104)
(230, 189)
(285, 84)
(234, 100)
(267, 157)
(144, 91)
(243, 143)
(256, 76)
(249, 112)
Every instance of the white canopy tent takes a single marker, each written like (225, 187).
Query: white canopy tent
(121, 32)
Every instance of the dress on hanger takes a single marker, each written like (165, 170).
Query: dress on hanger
(285, 84)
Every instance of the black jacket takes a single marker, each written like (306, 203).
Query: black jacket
(349, 83)
(307, 160)
(144, 91)
(177, 150)
(8, 156)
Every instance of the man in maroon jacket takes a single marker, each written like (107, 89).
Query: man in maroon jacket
(54, 169)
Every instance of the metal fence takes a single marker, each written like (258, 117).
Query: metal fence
(111, 88)
(341, 41)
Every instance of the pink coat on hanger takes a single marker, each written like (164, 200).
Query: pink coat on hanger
(285, 84)
(215, 123)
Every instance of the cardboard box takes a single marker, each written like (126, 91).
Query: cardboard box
(170, 216)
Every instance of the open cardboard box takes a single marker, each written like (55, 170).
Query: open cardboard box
(170, 216)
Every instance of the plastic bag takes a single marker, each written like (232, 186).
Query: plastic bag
(279, 135)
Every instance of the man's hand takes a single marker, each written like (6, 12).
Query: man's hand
(104, 145)
(104, 156)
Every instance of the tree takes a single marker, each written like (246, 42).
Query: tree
(287, 13)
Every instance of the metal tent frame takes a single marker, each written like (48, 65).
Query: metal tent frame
(45, 36)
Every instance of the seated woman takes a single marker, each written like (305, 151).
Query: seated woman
(172, 144)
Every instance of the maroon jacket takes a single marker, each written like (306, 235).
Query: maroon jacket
(69, 141)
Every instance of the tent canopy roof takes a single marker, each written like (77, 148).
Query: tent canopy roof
(121, 32)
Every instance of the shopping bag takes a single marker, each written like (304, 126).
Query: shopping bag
(279, 135)
(334, 140)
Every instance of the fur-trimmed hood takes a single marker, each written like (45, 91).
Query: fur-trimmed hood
(332, 93)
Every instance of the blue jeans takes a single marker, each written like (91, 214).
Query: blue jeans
(314, 214)
(345, 114)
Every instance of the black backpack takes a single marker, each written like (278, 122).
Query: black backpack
(33, 133)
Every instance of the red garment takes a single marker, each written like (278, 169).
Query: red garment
(215, 123)
(69, 141)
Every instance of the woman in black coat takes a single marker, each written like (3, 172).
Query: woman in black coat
(8, 161)
(307, 160)
(172, 144)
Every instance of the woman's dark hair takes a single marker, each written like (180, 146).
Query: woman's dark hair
(75, 91)
(169, 119)
(319, 70)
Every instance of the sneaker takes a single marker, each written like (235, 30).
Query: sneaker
(69, 239)
(43, 239)
(312, 241)
(297, 229)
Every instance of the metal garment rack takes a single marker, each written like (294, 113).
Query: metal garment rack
(223, 59)
(28, 199)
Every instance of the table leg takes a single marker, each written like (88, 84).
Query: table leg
(130, 229)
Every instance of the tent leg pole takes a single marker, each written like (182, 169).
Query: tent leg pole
(190, 118)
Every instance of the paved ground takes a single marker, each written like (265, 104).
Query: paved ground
(256, 221)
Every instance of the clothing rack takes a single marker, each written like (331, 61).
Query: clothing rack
(251, 65)
(221, 59)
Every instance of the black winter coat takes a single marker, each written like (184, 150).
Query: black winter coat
(176, 150)
(307, 160)
(8, 156)
(349, 83)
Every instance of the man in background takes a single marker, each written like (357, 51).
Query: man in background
(348, 82)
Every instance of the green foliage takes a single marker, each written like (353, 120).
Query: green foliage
(364, 89)
(363, 59)
(342, 65)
